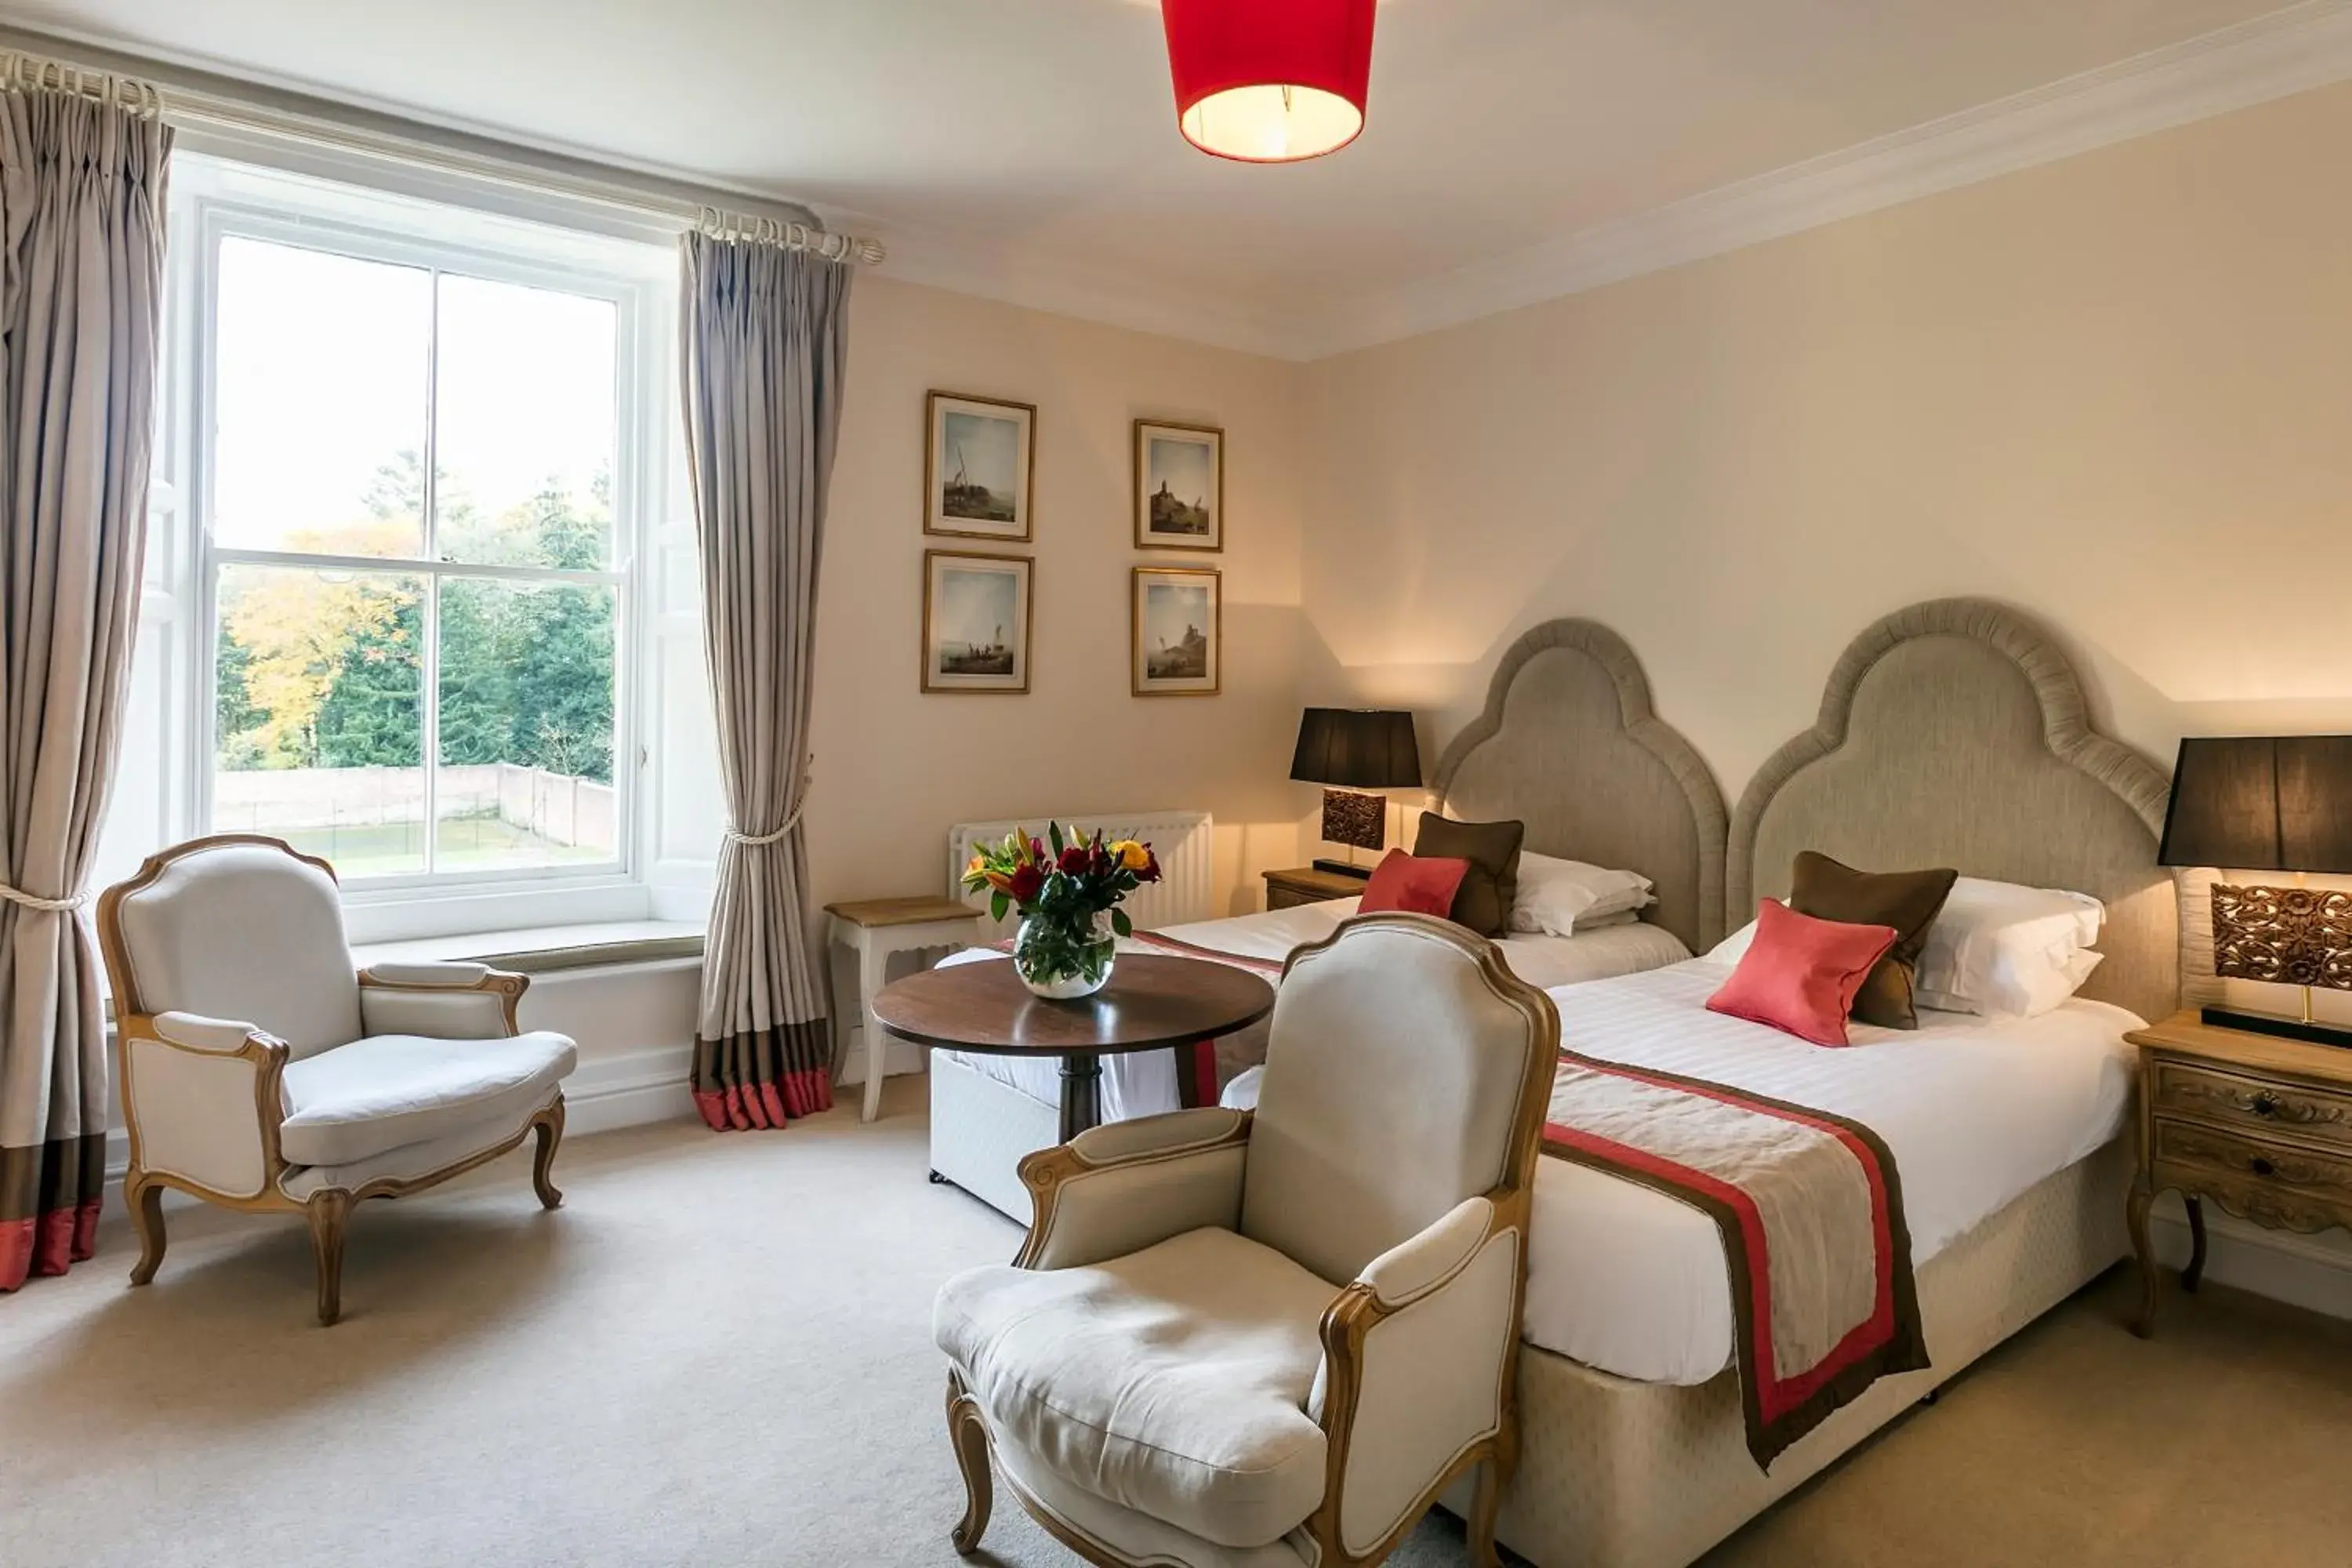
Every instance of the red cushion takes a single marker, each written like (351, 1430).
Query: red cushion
(1417, 884)
(1801, 973)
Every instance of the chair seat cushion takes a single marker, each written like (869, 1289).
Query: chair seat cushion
(1174, 1381)
(387, 1090)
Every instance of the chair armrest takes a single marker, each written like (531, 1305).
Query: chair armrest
(202, 1100)
(445, 1001)
(1420, 1264)
(451, 972)
(1119, 1188)
(194, 1031)
(1417, 1359)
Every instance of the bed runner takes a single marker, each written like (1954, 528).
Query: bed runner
(1810, 1212)
(1196, 1064)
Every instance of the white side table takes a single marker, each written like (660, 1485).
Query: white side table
(864, 936)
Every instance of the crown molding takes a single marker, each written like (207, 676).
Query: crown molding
(2294, 50)
(2289, 51)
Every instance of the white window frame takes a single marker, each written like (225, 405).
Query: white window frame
(213, 201)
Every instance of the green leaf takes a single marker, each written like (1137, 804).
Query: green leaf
(1054, 835)
(997, 904)
(1120, 924)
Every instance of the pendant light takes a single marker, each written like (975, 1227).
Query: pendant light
(1269, 82)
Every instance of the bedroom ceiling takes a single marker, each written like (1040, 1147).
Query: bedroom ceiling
(1027, 147)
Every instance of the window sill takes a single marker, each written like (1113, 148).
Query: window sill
(548, 950)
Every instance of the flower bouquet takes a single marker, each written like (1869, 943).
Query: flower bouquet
(1068, 891)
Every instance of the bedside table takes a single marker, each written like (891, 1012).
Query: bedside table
(2261, 1125)
(1305, 885)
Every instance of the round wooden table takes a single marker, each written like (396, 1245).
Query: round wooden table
(1151, 1003)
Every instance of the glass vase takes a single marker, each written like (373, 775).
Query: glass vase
(1061, 957)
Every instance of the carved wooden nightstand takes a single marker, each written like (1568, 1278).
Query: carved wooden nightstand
(2261, 1125)
(1306, 885)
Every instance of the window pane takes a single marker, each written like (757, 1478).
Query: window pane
(524, 420)
(319, 714)
(525, 752)
(319, 401)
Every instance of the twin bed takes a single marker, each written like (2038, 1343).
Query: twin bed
(1952, 733)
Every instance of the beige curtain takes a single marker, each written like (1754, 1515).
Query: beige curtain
(81, 216)
(765, 351)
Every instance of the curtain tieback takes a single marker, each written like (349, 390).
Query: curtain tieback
(738, 836)
(790, 822)
(52, 906)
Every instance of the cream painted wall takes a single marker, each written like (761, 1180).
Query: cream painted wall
(895, 767)
(2116, 390)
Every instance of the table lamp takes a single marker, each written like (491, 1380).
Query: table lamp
(1358, 749)
(2269, 804)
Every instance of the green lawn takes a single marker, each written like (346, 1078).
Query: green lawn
(394, 848)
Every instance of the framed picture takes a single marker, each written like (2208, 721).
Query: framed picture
(1179, 487)
(975, 622)
(1178, 630)
(979, 460)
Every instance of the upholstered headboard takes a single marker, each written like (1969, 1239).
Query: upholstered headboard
(1568, 744)
(1955, 733)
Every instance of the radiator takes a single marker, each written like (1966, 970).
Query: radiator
(1185, 842)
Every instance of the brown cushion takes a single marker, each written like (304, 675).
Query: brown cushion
(1483, 901)
(1907, 901)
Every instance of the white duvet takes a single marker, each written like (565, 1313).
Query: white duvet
(1975, 1112)
(1144, 1084)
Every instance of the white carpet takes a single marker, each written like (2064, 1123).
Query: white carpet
(718, 1352)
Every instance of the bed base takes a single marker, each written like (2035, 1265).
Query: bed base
(979, 1129)
(1618, 1474)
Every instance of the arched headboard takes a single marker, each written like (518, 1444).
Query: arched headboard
(1569, 745)
(1955, 733)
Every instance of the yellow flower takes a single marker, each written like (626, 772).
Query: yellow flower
(975, 866)
(1131, 855)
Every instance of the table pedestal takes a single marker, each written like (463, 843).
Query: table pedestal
(1081, 1092)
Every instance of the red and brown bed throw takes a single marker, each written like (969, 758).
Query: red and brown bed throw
(1199, 1074)
(1810, 1212)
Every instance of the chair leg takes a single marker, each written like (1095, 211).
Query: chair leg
(1485, 1502)
(145, 1201)
(550, 1125)
(969, 1434)
(328, 1211)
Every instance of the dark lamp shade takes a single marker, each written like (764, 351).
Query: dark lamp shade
(1357, 748)
(2256, 802)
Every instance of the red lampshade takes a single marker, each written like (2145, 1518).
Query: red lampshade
(1269, 82)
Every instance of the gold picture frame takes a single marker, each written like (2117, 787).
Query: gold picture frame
(970, 601)
(1179, 486)
(979, 468)
(1176, 625)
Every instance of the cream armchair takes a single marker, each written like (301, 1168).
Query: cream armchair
(260, 1072)
(1272, 1338)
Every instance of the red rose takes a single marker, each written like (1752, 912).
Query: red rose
(1150, 872)
(1074, 860)
(1037, 849)
(1026, 880)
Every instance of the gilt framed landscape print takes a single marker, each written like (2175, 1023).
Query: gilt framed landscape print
(1179, 487)
(979, 460)
(1178, 630)
(975, 622)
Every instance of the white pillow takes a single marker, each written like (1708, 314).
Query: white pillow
(2002, 951)
(1734, 948)
(1558, 898)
